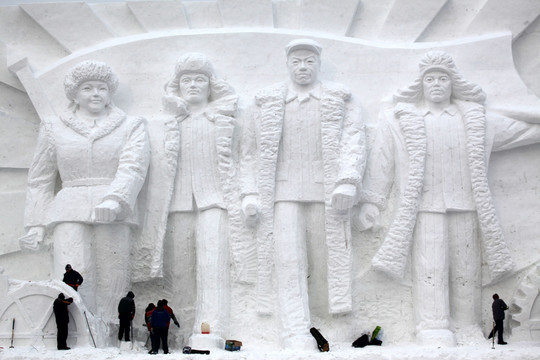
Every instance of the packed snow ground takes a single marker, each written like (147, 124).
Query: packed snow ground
(342, 351)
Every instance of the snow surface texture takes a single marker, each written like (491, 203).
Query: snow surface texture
(340, 351)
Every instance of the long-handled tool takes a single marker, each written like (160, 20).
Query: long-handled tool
(89, 329)
(493, 337)
(12, 332)
(131, 333)
(146, 342)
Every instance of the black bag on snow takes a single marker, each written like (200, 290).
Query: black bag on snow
(322, 343)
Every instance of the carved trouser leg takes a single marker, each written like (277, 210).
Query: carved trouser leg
(317, 254)
(430, 272)
(179, 270)
(111, 244)
(213, 304)
(73, 245)
(291, 268)
(101, 254)
(465, 269)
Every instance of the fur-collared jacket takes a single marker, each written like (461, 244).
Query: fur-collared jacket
(343, 154)
(166, 137)
(398, 154)
(108, 160)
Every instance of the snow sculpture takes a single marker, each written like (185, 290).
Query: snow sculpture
(101, 157)
(435, 145)
(196, 195)
(303, 160)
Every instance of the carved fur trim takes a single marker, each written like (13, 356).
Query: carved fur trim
(496, 251)
(104, 126)
(243, 248)
(333, 112)
(172, 144)
(272, 110)
(394, 252)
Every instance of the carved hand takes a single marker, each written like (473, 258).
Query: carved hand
(343, 197)
(33, 239)
(368, 217)
(251, 209)
(107, 211)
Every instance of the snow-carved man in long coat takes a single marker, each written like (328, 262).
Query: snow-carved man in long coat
(302, 169)
(191, 201)
(435, 145)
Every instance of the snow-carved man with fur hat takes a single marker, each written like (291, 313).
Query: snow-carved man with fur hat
(303, 159)
(434, 144)
(191, 201)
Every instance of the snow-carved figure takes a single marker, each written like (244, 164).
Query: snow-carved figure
(303, 159)
(100, 156)
(194, 198)
(435, 144)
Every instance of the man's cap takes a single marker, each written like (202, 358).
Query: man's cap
(130, 294)
(303, 44)
(68, 266)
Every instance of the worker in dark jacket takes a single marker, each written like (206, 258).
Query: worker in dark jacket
(126, 313)
(60, 308)
(160, 331)
(499, 307)
(72, 277)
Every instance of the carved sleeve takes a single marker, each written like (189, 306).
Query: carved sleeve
(353, 147)
(132, 167)
(380, 167)
(249, 151)
(511, 133)
(42, 177)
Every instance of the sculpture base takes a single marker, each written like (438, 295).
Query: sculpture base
(206, 342)
(436, 338)
(301, 343)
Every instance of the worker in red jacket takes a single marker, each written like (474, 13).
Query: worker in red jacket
(170, 311)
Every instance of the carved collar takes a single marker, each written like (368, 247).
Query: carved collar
(226, 105)
(101, 128)
(452, 110)
(302, 97)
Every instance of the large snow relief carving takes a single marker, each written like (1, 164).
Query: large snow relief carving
(303, 161)
(100, 156)
(434, 144)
